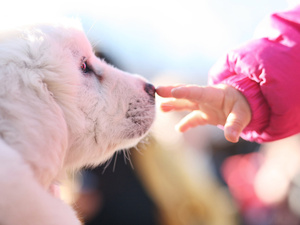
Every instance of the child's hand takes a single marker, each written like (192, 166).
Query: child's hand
(215, 105)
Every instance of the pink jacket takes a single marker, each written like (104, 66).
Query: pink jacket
(267, 72)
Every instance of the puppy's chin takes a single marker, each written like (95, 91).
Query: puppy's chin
(132, 142)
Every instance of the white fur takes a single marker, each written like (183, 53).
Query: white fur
(54, 117)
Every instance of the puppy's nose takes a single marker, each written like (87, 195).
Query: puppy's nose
(150, 89)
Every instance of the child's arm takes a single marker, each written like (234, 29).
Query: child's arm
(218, 105)
(266, 71)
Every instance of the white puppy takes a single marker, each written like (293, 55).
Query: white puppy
(61, 108)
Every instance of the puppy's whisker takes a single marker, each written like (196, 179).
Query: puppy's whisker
(107, 164)
(139, 151)
(136, 148)
(115, 161)
(93, 25)
(94, 44)
(127, 156)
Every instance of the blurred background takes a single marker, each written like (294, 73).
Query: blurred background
(151, 37)
(194, 178)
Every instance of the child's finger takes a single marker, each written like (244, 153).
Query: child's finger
(165, 91)
(178, 105)
(236, 121)
(198, 93)
(232, 129)
(191, 120)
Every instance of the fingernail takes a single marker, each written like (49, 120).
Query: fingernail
(166, 107)
(176, 89)
(235, 135)
(176, 92)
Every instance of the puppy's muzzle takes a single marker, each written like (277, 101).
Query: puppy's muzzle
(150, 89)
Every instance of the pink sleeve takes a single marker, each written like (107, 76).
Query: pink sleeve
(267, 72)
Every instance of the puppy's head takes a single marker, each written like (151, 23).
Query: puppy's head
(105, 109)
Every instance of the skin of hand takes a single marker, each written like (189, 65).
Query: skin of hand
(215, 105)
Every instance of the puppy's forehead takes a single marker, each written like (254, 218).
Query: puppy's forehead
(78, 43)
(69, 34)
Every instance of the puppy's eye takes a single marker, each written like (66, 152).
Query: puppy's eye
(84, 67)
